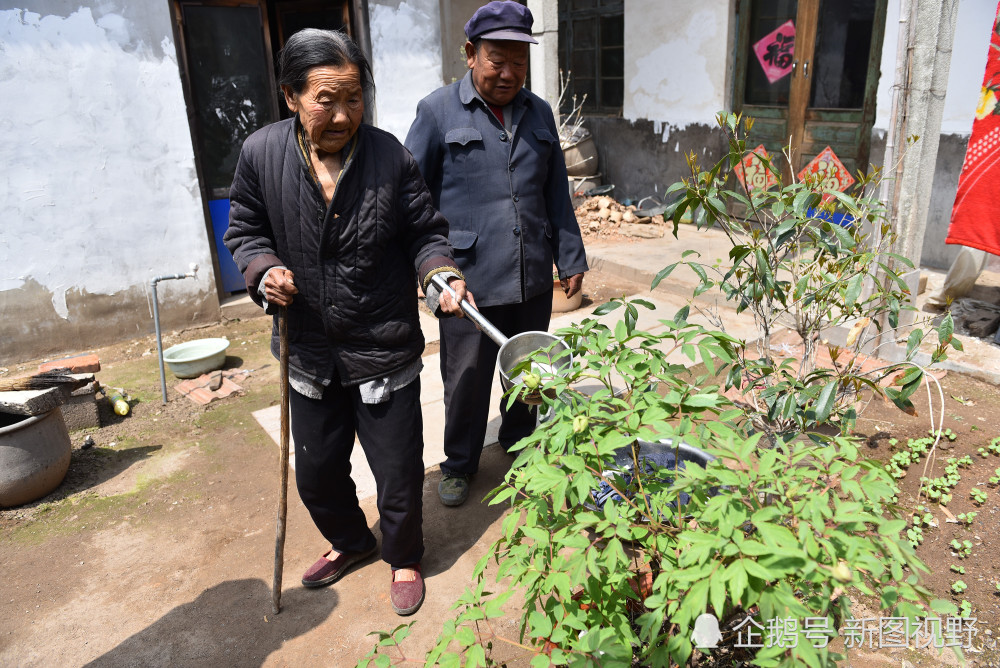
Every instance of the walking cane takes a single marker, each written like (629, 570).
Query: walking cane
(279, 540)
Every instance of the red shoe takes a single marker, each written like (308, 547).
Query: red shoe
(407, 597)
(325, 572)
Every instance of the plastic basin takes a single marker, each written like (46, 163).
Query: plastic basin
(193, 358)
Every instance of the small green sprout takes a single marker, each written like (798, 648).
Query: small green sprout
(962, 548)
(961, 571)
(958, 586)
(979, 496)
(966, 518)
(965, 609)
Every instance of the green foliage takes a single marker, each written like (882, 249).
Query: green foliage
(964, 609)
(958, 586)
(785, 523)
(994, 446)
(790, 266)
(962, 548)
(979, 496)
(966, 518)
(958, 569)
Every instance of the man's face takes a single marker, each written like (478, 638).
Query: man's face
(330, 106)
(498, 69)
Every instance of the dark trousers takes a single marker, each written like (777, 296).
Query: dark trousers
(468, 360)
(391, 434)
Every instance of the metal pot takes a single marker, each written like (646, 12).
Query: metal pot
(516, 349)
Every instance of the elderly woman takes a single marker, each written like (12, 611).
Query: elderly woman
(331, 218)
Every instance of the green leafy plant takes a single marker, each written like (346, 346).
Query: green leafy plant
(785, 522)
(965, 609)
(958, 569)
(962, 548)
(958, 586)
(789, 265)
(994, 446)
(923, 517)
(995, 478)
(966, 518)
(979, 496)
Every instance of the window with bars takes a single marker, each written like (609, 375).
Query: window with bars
(592, 53)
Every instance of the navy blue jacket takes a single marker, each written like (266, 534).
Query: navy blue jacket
(354, 262)
(505, 195)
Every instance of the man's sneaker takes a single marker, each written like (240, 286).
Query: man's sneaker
(453, 489)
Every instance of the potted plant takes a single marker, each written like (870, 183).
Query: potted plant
(560, 302)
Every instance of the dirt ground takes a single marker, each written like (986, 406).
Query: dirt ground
(157, 549)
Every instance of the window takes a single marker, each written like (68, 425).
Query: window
(592, 53)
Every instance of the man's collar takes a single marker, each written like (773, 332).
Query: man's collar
(467, 93)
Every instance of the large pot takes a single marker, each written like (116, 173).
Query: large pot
(34, 456)
(581, 157)
(561, 303)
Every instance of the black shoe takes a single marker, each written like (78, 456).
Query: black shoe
(453, 489)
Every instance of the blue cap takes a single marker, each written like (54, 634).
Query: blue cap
(501, 20)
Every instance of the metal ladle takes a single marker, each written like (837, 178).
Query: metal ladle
(516, 349)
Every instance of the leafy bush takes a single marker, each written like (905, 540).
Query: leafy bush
(791, 266)
(784, 523)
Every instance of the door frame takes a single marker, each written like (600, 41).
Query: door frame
(357, 26)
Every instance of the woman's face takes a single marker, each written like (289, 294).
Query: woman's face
(330, 105)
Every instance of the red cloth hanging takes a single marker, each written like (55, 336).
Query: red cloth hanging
(975, 217)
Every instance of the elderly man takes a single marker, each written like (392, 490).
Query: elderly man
(331, 218)
(489, 151)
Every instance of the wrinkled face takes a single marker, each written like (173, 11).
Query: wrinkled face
(330, 105)
(498, 69)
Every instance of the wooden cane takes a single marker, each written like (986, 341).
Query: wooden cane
(279, 540)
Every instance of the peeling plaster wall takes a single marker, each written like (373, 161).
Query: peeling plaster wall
(406, 49)
(100, 191)
(676, 59)
(965, 77)
(677, 77)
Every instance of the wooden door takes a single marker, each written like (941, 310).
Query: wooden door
(820, 94)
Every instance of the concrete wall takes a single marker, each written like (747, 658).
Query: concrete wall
(972, 35)
(678, 71)
(101, 189)
(406, 50)
(454, 14)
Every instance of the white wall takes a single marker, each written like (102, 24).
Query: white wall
(99, 184)
(676, 59)
(101, 192)
(968, 62)
(406, 49)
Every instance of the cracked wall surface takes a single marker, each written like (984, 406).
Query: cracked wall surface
(101, 192)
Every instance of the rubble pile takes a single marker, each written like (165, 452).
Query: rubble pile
(602, 216)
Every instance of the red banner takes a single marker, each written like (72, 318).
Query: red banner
(975, 217)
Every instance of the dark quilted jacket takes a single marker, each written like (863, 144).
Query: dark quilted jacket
(355, 263)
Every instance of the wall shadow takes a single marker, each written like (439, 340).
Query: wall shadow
(229, 624)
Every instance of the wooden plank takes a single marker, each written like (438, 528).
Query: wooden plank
(805, 44)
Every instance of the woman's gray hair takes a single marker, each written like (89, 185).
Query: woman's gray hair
(312, 47)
